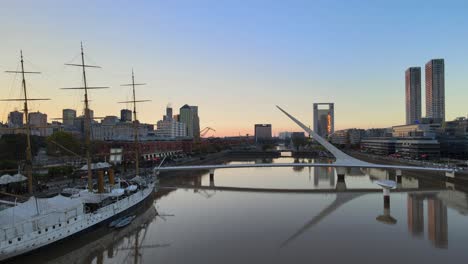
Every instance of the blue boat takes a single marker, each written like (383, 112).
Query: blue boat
(124, 222)
(117, 221)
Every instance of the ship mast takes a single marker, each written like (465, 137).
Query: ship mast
(135, 121)
(28, 167)
(87, 123)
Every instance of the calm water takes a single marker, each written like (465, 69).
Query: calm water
(427, 224)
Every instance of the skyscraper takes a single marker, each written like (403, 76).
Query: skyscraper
(413, 95)
(435, 89)
(189, 116)
(125, 115)
(68, 117)
(168, 116)
(324, 119)
(196, 122)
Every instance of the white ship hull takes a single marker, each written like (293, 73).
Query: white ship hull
(24, 243)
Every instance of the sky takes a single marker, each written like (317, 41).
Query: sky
(235, 59)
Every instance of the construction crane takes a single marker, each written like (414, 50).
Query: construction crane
(204, 131)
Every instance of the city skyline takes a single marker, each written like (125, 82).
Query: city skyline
(287, 57)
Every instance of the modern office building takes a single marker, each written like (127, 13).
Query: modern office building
(196, 122)
(453, 138)
(15, 119)
(418, 148)
(300, 135)
(126, 115)
(417, 141)
(284, 135)
(169, 115)
(413, 95)
(68, 117)
(38, 122)
(435, 89)
(262, 133)
(324, 119)
(416, 130)
(171, 129)
(189, 116)
(347, 137)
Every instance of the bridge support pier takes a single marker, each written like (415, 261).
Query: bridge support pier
(450, 174)
(398, 176)
(386, 186)
(211, 177)
(340, 172)
(386, 218)
(386, 198)
(340, 175)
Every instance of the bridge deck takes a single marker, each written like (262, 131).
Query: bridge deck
(274, 165)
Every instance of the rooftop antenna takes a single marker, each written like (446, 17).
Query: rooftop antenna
(28, 166)
(87, 122)
(134, 101)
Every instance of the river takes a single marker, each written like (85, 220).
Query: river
(201, 223)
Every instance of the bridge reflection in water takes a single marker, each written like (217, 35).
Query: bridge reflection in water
(419, 195)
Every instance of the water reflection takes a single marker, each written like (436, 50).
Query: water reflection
(303, 177)
(216, 225)
(437, 223)
(386, 218)
(325, 175)
(415, 208)
(340, 200)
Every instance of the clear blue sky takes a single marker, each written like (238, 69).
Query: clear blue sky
(237, 59)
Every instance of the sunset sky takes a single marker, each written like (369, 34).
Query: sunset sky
(236, 59)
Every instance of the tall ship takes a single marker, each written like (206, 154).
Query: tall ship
(39, 222)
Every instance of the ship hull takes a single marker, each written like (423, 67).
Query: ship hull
(148, 197)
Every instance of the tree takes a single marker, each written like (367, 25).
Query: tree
(59, 141)
(299, 141)
(13, 146)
